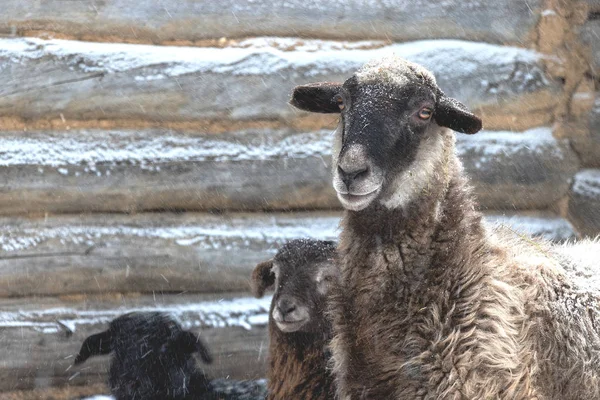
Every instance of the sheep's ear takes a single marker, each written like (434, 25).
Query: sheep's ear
(188, 343)
(98, 344)
(453, 114)
(262, 278)
(317, 97)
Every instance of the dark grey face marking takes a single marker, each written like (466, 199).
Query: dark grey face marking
(391, 111)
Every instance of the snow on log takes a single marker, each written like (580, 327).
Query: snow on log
(148, 253)
(528, 170)
(500, 21)
(41, 337)
(145, 252)
(132, 171)
(251, 80)
(160, 169)
(584, 202)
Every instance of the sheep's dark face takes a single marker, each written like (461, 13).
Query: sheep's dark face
(152, 357)
(301, 273)
(389, 133)
(157, 336)
(151, 334)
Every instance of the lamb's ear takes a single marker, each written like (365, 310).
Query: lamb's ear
(262, 278)
(98, 344)
(452, 114)
(188, 342)
(317, 97)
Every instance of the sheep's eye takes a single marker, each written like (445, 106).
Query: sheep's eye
(425, 113)
(339, 99)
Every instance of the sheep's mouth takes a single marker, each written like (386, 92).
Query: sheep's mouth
(357, 202)
(290, 326)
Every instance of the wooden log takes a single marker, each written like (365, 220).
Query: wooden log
(587, 143)
(160, 169)
(131, 171)
(584, 202)
(594, 6)
(40, 337)
(72, 80)
(145, 252)
(67, 392)
(590, 35)
(157, 253)
(191, 20)
(518, 171)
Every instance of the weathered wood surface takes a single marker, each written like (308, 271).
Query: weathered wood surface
(145, 252)
(169, 252)
(38, 349)
(160, 169)
(72, 80)
(584, 202)
(191, 20)
(587, 144)
(590, 34)
(518, 171)
(141, 170)
(67, 392)
(594, 6)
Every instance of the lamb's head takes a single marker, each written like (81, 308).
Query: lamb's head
(392, 114)
(301, 272)
(153, 334)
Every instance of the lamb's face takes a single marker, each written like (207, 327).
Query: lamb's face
(301, 273)
(391, 111)
(155, 336)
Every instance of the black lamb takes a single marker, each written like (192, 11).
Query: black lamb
(152, 358)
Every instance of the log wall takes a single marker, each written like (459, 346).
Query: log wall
(149, 158)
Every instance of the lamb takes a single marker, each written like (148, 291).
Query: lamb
(431, 303)
(299, 332)
(152, 358)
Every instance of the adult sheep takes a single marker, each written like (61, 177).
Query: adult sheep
(299, 333)
(431, 304)
(152, 358)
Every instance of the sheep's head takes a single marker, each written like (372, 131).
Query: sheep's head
(391, 114)
(301, 272)
(144, 333)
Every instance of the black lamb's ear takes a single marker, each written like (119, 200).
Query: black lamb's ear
(317, 97)
(188, 343)
(98, 344)
(452, 114)
(262, 278)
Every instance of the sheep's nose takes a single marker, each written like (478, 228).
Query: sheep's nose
(348, 176)
(286, 307)
(353, 165)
